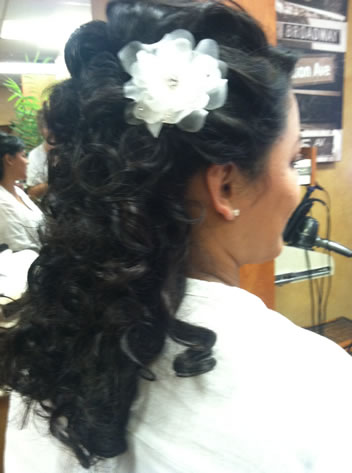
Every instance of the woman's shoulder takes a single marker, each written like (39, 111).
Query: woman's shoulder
(8, 201)
(258, 348)
(271, 382)
(220, 307)
(245, 326)
(8, 198)
(21, 193)
(4, 194)
(227, 299)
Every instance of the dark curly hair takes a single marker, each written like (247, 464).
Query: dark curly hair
(9, 144)
(103, 293)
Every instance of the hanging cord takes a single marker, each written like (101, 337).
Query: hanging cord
(328, 252)
(311, 288)
(320, 288)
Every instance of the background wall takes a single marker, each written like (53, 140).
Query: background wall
(293, 300)
(6, 109)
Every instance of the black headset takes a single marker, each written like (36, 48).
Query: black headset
(298, 219)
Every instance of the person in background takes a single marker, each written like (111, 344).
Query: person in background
(37, 171)
(135, 347)
(20, 218)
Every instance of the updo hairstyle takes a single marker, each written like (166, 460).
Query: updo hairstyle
(111, 274)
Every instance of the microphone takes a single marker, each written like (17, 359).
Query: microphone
(333, 246)
(308, 238)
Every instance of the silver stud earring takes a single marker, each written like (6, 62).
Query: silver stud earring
(236, 212)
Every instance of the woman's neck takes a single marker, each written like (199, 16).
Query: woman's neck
(222, 278)
(9, 185)
(212, 264)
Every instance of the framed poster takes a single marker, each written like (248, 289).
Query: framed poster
(317, 31)
(329, 9)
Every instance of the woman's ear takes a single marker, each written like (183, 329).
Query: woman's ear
(8, 159)
(221, 182)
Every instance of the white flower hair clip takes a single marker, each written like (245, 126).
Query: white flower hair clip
(172, 82)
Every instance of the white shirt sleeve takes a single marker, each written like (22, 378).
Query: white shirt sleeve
(13, 272)
(37, 169)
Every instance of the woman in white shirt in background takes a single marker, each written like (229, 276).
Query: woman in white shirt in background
(20, 218)
(37, 171)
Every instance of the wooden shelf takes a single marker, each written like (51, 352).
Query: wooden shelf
(338, 330)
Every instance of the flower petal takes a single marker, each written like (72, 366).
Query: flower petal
(128, 55)
(177, 34)
(149, 115)
(217, 97)
(208, 47)
(175, 55)
(154, 128)
(193, 122)
(173, 117)
(130, 117)
(223, 68)
(131, 91)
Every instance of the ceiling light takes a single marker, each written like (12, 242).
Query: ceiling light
(27, 68)
(47, 33)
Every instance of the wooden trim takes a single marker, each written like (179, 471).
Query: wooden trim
(259, 279)
(311, 153)
(4, 405)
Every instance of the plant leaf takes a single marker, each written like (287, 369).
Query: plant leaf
(12, 97)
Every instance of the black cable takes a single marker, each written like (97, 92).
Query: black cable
(311, 288)
(318, 288)
(328, 252)
(320, 284)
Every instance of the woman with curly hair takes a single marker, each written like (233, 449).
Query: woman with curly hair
(20, 218)
(135, 351)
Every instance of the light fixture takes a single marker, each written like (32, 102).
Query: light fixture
(28, 68)
(46, 33)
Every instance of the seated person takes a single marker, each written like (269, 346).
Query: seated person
(37, 172)
(19, 216)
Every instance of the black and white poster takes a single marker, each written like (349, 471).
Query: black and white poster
(317, 31)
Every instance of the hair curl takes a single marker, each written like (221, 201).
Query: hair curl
(103, 293)
(9, 144)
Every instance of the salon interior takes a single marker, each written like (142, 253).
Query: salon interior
(310, 282)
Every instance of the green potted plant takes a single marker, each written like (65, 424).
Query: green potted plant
(26, 108)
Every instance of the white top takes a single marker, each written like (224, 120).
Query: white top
(278, 401)
(37, 169)
(13, 272)
(19, 223)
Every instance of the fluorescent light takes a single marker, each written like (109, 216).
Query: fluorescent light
(27, 68)
(47, 32)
